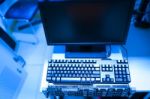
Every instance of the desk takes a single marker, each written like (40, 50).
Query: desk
(140, 73)
(139, 60)
(139, 69)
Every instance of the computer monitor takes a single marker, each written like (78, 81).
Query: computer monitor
(86, 22)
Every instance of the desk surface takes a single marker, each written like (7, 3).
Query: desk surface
(139, 61)
(139, 69)
(140, 73)
(139, 76)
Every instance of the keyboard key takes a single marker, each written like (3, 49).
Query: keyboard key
(103, 69)
(70, 80)
(97, 66)
(85, 61)
(53, 78)
(55, 75)
(83, 65)
(126, 66)
(119, 79)
(116, 72)
(83, 79)
(75, 68)
(128, 78)
(107, 76)
(93, 68)
(107, 79)
(86, 72)
(124, 79)
(63, 75)
(127, 71)
(120, 72)
(84, 75)
(120, 76)
(123, 69)
(92, 79)
(78, 68)
(106, 69)
(96, 72)
(49, 72)
(72, 72)
(89, 69)
(67, 75)
(88, 75)
(58, 79)
(67, 68)
(124, 72)
(60, 68)
(103, 80)
(73, 75)
(97, 69)
(50, 61)
(95, 76)
(85, 68)
(98, 79)
(54, 72)
(115, 66)
(111, 69)
(112, 80)
(119, 68)
(61, 72)
(88, 79)
(48, 78)
(90, 72)
(90, 65)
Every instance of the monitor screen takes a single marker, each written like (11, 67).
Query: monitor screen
(86, 22)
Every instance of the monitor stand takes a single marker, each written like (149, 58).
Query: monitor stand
(86, 51)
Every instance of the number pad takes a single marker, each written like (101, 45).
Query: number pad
(121, 73)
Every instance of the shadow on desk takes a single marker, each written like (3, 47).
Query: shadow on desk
(138, 42)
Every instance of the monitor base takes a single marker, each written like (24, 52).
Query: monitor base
(86, 51)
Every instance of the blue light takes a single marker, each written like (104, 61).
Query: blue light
(56, 0)
(51, 0)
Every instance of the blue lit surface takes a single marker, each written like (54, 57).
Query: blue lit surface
(56, 0)
(139, 59)
(138, 42)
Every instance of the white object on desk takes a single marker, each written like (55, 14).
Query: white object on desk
(140, 73)
(12, 76)
(26, 37)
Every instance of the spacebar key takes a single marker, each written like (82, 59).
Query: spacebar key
(70, 80)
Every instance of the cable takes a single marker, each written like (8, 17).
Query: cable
(109, 51)
(126, 52)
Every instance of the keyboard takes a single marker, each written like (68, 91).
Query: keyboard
(88, 71)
